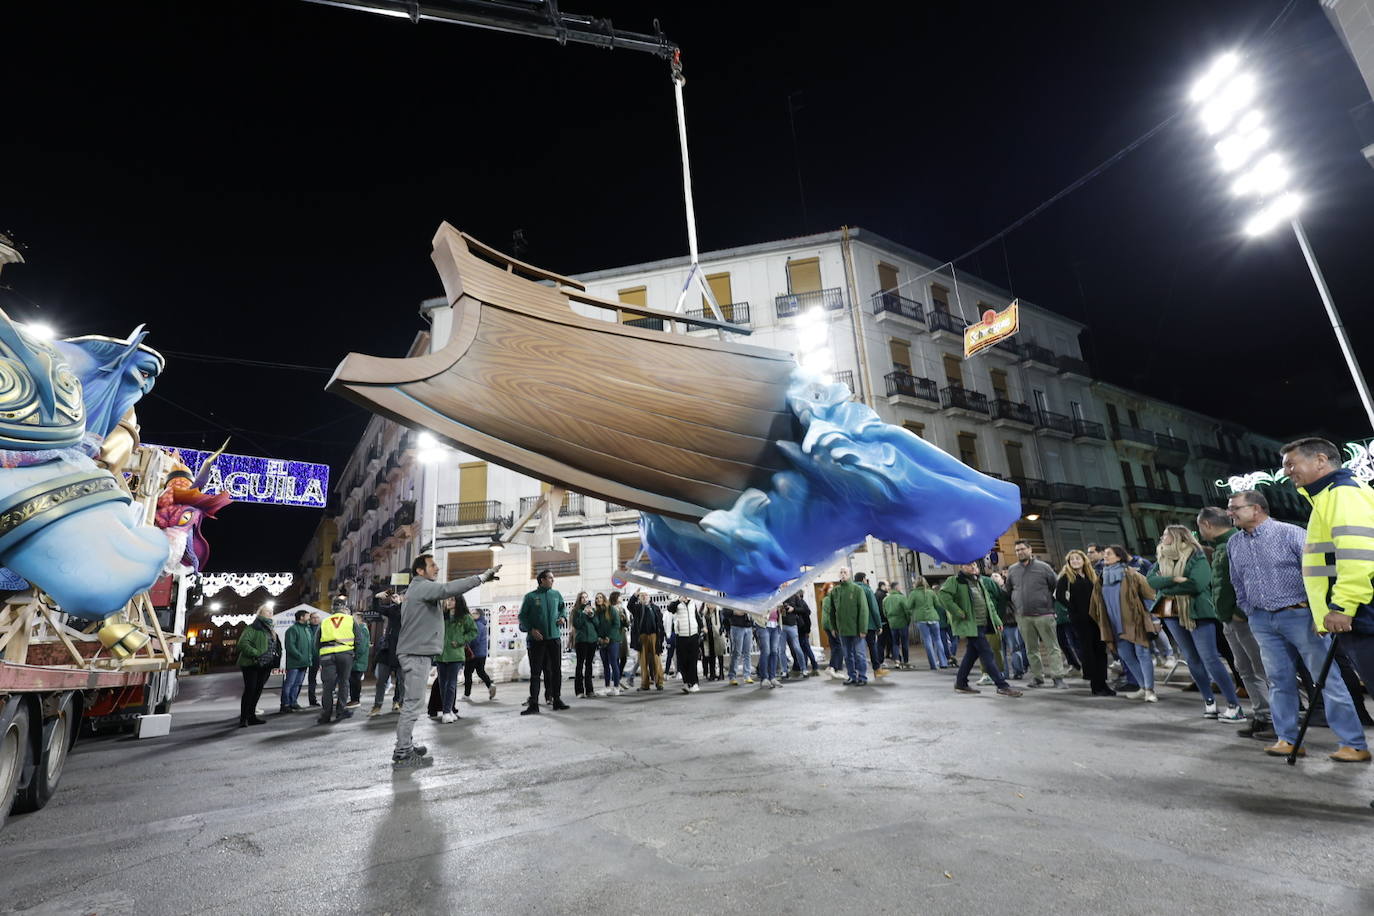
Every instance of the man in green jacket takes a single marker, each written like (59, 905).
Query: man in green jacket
(898, 622)
(875, 625)
(541, 615)
(849, 616)
(1214, 526)
(300, 653)
(970, 600)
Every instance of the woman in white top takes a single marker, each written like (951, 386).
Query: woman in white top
(686, 626)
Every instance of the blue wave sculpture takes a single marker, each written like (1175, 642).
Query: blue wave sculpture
(853, 475)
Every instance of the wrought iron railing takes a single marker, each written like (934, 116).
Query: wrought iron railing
(1133, 434)
(1068, 493)
(957, 396)
(1003, 409)
(888, 301)
(1102, 496)
(789, 304)
(944, 321)
(1171, 443)
(1032, 488)
(1071, 364)
(913, 386)
(732, 312)
(483, 512)
(1087, 429)
(1056, 421)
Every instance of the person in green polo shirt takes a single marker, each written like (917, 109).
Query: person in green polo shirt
(541, 615)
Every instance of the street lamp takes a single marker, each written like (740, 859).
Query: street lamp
(1224, 97)
(430, 453)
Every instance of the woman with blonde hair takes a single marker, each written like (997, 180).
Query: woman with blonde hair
(1118, 609)
(1182, 576)
(1074, 590)
(920, 601)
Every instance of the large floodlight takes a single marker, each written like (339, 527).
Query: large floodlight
(1224, 96)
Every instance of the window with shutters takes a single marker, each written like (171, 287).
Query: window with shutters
(900, 350)
(463, 563)
(472, 482)
(555, 562)
(954, 370)
(804, 275)
(625, 550)
(939, 297)
(918, 428)
(719, 284)
(1015, 465)
(999, 385)
(968, 449)
(635, 295)
(888, 280)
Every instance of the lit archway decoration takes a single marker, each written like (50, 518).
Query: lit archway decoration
(244, 584)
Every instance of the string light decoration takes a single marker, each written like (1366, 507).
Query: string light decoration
(244, 584)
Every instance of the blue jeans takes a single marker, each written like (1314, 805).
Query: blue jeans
(291, 687)
(901, 644)
(610, 663)
(1275, 632)
(1199, 650)
(741, 645)
(855, 648)
(770, 650)
(794, 647)
(448, 683)
(951, 643)
(1014, 651)
(1139, 663)
(808, 655)
(934, 643)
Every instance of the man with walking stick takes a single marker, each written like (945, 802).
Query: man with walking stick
(1267, 571)
(1338, 558)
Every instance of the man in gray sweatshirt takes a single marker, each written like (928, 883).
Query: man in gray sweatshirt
(421, 638)
(1030, 585)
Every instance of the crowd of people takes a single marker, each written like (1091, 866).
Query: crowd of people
(1245, 602)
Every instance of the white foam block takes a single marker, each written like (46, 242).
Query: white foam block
(153, 726)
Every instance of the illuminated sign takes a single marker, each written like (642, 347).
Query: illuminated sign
(248, 479)
(995, 327)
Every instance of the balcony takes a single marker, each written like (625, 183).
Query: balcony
(393, 466)
(922, 391)
(1011, 413)
(349, 571)
(405, 514)
(573, 504)
(1173, 451)
(957, 397)
(1101, 496)
(1054, 424)
(353, 525)
(789, 304)
(1133, 436)
(887, 303)
(1032, 489)
(1034, 353)
(1071, 365)
(374, 453)
(943, 325)
(1087, 429)
(1069, 494)
(370, 503)
(1149, 496)
(732, 312)
(486, 512)
(653, 324)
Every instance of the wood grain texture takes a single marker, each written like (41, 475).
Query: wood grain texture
(664, 422)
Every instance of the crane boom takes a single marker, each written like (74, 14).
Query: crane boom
(539, 18)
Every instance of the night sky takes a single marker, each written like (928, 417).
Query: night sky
(259, 180)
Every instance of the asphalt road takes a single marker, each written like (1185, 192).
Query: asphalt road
(816, 798)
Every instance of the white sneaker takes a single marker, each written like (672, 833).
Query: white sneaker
(1137, 694)
(448, 718)
(695, 688)
(1233, 714)
(491, 692)
(1209, 711)
(985, 680)
(1150, 697)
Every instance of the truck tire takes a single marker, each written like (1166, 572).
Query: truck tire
(59, 732)
(14, 750)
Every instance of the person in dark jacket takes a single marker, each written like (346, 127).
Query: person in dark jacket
(259, 651)
(802, 612)
(477, 662)
(314, 657)
(362, 648)
(542, 616)
(586, 638)
(1074, 590)
(648, 623)
(300, 650)
(387, 668)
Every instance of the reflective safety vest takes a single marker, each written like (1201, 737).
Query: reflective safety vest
(336, 634)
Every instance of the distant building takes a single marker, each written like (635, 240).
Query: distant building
(1353, 21)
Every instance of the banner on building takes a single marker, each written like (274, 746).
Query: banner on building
(995, 327)
(248, 479)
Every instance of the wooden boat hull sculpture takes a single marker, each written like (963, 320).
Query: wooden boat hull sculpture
(735, 454)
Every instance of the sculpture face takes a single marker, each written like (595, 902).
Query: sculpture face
(114, 375)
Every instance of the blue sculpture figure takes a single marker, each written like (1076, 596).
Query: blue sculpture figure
(66, 524)
(853, 475)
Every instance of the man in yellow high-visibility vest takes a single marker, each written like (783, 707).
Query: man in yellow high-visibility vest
(336, 661)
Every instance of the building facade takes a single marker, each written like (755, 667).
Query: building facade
(1095, 462)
